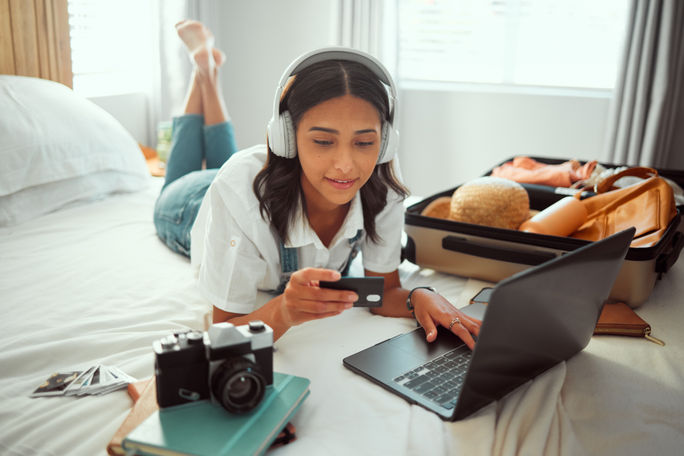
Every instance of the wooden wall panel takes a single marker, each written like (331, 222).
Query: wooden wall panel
(6, 46)
(43, 12)
(34, 39)
(25, 37)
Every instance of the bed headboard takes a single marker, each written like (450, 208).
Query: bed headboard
(34, 39)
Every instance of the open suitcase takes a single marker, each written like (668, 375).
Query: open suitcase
(492, 254)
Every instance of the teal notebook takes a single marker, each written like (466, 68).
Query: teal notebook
(205, 428)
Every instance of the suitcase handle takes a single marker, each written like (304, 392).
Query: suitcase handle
(461, 245)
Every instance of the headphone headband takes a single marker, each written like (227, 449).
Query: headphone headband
(337, 53)
(280, 128)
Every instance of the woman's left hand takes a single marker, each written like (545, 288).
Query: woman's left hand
(432, 309)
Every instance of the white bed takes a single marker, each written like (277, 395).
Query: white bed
(91, 283)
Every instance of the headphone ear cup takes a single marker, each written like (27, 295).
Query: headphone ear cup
(289, 137)
(389, 143)
(275, 136)
(281, 136)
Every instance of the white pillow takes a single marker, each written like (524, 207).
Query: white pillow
(57, 147)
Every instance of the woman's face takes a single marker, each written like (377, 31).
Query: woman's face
(338, 142)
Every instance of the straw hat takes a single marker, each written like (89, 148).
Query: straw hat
(440, 208)
(491, 201)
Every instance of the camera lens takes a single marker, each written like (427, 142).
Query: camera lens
(238, 384)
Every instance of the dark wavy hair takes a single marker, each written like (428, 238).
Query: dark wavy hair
(277, 186)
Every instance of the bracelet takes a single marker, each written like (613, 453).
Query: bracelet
(409, 306)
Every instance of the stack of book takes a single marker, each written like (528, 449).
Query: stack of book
(204, 427)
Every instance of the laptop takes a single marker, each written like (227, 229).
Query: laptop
(534, 320)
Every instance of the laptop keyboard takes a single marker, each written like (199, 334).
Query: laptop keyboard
(440, 379)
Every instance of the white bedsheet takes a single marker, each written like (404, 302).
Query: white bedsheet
(92, 283)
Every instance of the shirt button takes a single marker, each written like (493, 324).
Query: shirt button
(233, 243)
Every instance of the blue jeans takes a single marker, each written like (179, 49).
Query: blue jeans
(186, 182)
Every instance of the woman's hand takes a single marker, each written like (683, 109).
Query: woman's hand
(303, 300)
(431, 309)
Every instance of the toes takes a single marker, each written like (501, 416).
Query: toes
(193, 34)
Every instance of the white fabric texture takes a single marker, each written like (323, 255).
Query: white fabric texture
(57, 148)
(93, 283)
(232, 244)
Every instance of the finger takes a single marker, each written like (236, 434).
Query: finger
(306, 291)
(307, 300)
(308, 275)
(428, 325)
(318, 316)
(329, 294)
(463, 334)
(469, 318)
(323, 307)
(471, 324)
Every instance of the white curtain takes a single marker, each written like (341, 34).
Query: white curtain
(647, 115)
(174, 65)
(370, 26)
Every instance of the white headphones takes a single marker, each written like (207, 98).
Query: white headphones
(281, 131)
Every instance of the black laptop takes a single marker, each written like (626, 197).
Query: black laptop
(534, 320)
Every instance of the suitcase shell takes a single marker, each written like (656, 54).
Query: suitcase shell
(492, 254)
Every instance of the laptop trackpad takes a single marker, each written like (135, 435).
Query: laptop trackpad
(400, 354)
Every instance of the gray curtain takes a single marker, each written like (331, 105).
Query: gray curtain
(646, 120)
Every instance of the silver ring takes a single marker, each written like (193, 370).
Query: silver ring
(453, 322)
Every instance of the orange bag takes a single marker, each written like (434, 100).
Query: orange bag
(648, 205)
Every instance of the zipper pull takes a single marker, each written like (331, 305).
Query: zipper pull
(647, 335)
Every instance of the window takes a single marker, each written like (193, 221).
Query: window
(112, 46)
(548, 43)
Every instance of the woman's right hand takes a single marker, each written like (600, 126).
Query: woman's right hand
(303, 300)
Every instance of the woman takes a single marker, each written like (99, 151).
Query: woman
(278, 219)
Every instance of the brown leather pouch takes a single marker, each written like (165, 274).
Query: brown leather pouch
(620, 320)
(649, 206)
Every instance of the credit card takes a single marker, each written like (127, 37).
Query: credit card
(369, 289)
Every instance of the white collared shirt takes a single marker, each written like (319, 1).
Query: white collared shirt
(237, 256)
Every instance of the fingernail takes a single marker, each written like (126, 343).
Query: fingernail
(352, 297)
(336, 275)
(349, 305)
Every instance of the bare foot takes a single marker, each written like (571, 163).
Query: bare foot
(194, 34)
(200, 41)
(219, 57)
(207, 62)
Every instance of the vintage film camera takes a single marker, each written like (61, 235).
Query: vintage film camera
(231, 365)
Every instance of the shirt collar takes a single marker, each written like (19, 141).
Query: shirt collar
(302, 234)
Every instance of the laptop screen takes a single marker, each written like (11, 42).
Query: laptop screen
(566, 294)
